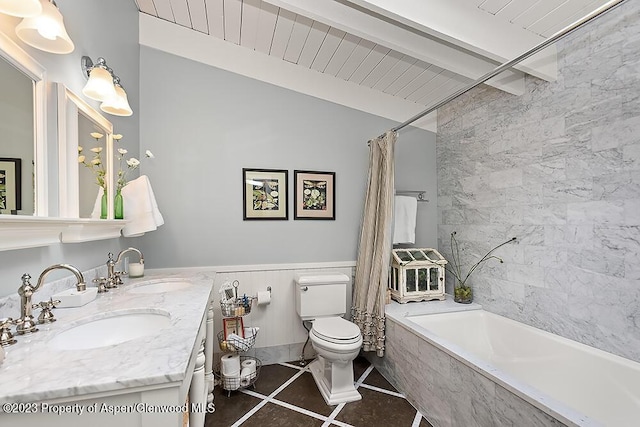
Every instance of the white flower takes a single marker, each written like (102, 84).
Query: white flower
(122, 151)
(315, 193)
(96, 135)
(116, 137)
(97, 149)
(149, 154)
(133, 162)
(79, 149)
(307, 191)
(274, 194)
(81, 159)
(96, 162)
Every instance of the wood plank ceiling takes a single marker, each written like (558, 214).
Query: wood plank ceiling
(275, 31)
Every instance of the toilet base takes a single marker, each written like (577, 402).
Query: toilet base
(334, 380)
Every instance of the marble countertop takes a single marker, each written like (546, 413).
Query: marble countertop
(34, 370)
(398, 311)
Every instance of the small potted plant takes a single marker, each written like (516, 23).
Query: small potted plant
(462, 291)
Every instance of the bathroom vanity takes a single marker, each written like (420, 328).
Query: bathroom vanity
(134, 356)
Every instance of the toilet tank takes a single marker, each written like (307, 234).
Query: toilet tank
(321, 294)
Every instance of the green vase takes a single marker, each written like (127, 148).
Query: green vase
(103, 205)
(118, 206)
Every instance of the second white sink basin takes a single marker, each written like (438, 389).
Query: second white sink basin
(114, 329)
(157, 287)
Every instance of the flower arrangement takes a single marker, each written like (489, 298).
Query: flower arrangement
(462, 292)
(131, 164)
(95, 164)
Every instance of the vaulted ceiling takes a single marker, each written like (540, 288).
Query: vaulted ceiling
(393, 58)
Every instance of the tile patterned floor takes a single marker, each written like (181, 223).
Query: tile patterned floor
(286, 395)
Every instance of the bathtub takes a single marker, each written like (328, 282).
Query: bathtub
(478, 368)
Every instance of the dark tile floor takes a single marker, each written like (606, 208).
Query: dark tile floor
(286, 395)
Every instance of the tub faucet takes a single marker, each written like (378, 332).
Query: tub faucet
(113, 276)
(26, 323)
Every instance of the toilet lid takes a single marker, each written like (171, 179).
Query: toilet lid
(335, 328)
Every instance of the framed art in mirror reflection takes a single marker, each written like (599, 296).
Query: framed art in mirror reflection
(10, 185)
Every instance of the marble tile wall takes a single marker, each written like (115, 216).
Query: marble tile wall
(559, 168)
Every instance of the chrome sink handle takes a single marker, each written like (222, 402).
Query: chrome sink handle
(46, 316)
(102, 284)
(6, 337)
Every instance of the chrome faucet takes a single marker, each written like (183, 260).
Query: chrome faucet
(26, 323)
(113, 276)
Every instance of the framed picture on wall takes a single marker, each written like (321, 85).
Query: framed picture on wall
(264, 194)
(314, 195)
(10, 185)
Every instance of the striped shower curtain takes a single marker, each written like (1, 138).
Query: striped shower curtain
(374, 251)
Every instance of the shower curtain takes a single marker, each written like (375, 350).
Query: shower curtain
(374, 251)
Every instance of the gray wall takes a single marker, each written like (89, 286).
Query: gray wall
(91, 26)
(204, 125)
(558, 167)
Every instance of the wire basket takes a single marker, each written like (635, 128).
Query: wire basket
(238, 382)
(228, 344)
(236, 307)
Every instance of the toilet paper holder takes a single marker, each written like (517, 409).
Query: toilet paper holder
(260, 296)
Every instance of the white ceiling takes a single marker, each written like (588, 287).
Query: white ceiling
(407, 53)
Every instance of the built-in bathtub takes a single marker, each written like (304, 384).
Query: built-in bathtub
(475, 368)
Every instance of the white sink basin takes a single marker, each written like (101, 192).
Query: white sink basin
(115, 329)
(157, 287)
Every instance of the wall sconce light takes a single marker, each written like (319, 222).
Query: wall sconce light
(104, 86)
(45, 31)
(119, 104)
(21, 8)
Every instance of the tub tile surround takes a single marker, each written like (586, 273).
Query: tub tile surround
(559, 168)
(33, 371)
(446, 388)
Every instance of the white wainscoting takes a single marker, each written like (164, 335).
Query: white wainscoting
(282, 334)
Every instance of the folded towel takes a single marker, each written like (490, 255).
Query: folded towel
(140, 208)
(404, 228)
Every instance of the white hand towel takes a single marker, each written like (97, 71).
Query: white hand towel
(140, 208)
(404, 219)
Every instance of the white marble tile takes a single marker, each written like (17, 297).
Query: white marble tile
(577, 208)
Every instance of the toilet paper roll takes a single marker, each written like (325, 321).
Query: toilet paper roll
(245, 377)
(264, 297)
(248, 367)
(230, 365)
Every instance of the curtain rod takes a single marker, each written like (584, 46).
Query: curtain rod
(555, 37)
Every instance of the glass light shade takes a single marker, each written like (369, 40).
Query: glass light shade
(118, 105)
(21, 8)
(100, 85)
(46, 31)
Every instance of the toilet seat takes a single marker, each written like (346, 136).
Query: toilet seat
(336, 330)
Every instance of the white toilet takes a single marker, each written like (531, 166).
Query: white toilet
(322, 299)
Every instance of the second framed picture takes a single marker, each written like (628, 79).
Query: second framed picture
(264, 194)
(314, 195)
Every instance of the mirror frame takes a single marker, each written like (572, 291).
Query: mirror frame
(70, 106)
(29, 231)
(24, 63)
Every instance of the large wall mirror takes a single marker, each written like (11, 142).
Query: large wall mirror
(23, 189)
(86, 157)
